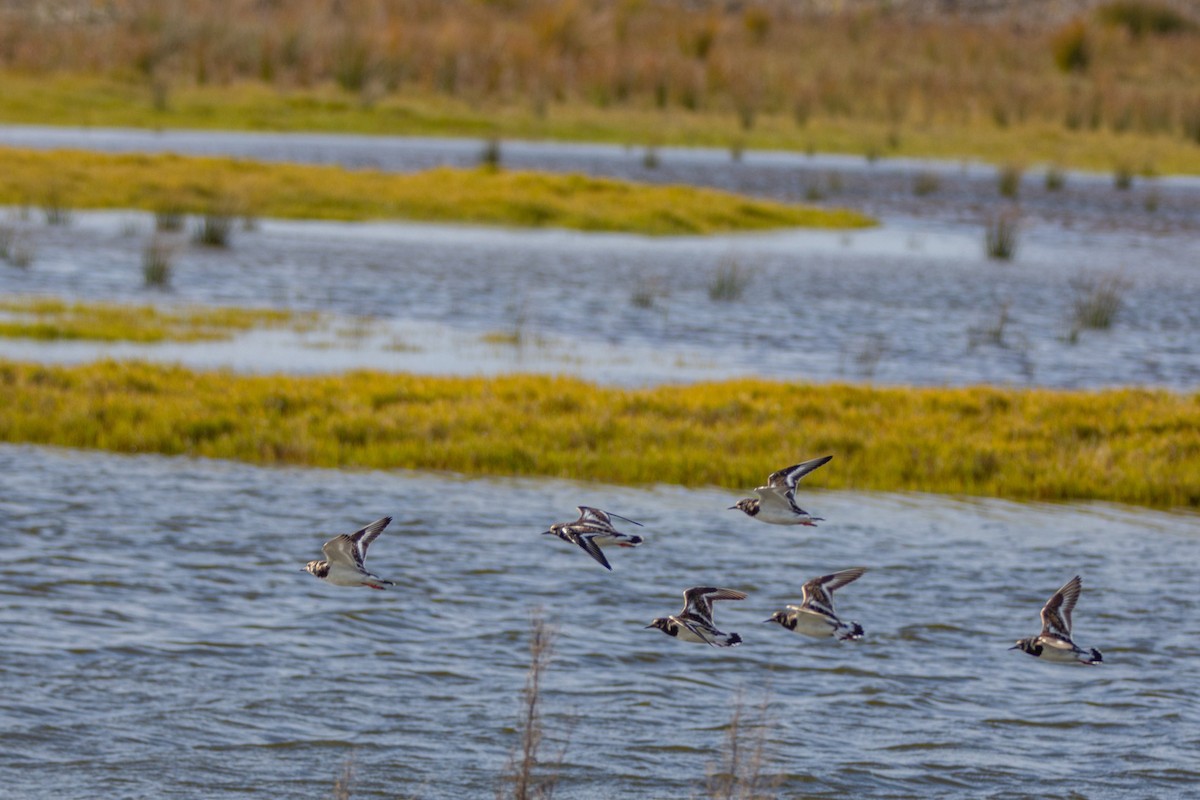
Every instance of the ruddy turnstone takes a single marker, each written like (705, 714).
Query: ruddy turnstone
(814, 616)
(1054, 642)
(593, 529)
(346, 555)
(695, 622)
(776, 502)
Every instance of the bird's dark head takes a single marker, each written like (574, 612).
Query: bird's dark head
(749, 505)
(779, 617)
(1029, 645)
(318, 568)
(555, 530)
(662, 623)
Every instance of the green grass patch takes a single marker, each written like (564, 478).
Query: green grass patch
(77, 100)
(500, 197)
(1130, 445)
(50, 319)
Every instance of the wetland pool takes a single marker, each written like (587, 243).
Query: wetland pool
(161, 640)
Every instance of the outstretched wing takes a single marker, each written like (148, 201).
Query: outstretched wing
(603, 517)
(343, 550)
(787, 477)
(364, 536)
(592, 549)
(1056, 614)
(350, 549)
(698, 600)
(818, 593)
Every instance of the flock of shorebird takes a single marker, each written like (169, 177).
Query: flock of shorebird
(775, 503)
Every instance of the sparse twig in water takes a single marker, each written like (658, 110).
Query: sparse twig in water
(527, 780)
(740, 773)
(342, 786)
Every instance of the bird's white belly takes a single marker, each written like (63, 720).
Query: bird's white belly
(1061, 655)
(343, 576)
(814, 625)
(779, 516)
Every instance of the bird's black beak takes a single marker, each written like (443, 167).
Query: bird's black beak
(772, 619)
(650, 626)
(1015, 647)
(547, 533)
(732, 508)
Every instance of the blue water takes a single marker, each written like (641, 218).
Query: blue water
(161, 640)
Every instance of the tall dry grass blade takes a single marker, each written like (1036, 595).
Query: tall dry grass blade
(528, 778)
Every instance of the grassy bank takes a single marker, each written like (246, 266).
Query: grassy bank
(1085, 84)
(1131, 446)
(254, 106)
(178, 184)
(50, 319)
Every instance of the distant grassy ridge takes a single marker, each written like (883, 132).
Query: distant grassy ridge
(80, 179)
(1045, 81)
(254, 106)
(1133, 446)
(51, 319)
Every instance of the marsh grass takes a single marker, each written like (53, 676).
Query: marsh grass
(1096, 301)
(169, 219)
(1128, 445)
(505, 197)
(849, 77)
(1123, 176)
(490, 154)
(54, 206)
(1000, 236)
(1056, 179)
(214, 229)
(1008, 181)
(1145, 18)
(8, 235)
(730, 281)
(926, 183)
(53, 319)
(647, 291)
(157, 258)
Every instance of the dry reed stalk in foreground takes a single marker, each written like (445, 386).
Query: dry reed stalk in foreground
(342, 786)
(524, 773)
(741, 772)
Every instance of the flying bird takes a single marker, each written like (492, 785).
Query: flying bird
(776, 502)
(345, 557)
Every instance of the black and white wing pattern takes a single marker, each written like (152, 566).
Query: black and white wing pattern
(350, 549)
(818, 593)
(589, 514)
(697, 601)
(1056, 614)
(585, 541)
(785, 480)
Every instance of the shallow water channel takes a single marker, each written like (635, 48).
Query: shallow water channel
(161, 640)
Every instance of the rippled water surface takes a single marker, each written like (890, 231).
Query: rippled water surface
(160, 640)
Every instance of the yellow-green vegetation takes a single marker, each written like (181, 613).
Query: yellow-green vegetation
(50, 319)
(1078, 83)
(1130, 445)
(78, 179)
